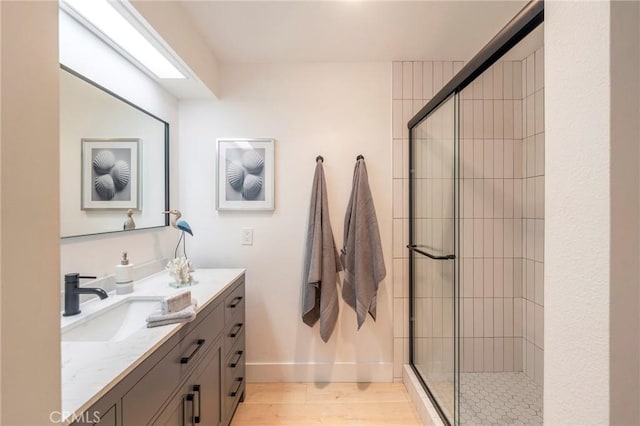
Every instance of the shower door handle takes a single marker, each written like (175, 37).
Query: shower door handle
(415, 248)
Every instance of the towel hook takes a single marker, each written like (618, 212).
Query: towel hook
(360, 157)
(319, 157)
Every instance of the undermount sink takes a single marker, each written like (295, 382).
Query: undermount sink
(113, 323)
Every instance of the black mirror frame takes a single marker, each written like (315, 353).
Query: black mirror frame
(166, 152)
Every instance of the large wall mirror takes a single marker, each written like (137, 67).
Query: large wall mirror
(114, 161)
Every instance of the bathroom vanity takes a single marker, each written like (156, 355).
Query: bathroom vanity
(179, 374)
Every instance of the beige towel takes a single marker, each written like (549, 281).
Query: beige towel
(362, 252)
(319, 292)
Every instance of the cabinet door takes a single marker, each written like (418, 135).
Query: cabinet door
(179, 411)
(109, 418)
(207, 386)
(198, 401)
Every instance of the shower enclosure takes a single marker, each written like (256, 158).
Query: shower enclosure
(476, 232)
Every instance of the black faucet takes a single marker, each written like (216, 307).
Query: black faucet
(72, 292)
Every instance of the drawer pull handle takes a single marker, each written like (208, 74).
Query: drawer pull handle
(235, 302)
(234, 364)
(188, 398)
(235, 392)
(196, 388)
(186, 359)
(237, 327)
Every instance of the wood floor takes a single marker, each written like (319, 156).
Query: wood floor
(331, 404)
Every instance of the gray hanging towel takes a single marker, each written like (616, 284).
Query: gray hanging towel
(361, 255)
(319, 292)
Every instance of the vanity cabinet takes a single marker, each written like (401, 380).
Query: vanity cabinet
(195, 377)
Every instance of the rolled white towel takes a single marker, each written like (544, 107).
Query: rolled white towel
(157, 318)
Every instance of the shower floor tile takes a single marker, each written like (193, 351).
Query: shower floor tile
(499, 399)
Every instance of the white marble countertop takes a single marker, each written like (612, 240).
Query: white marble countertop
(91, 369)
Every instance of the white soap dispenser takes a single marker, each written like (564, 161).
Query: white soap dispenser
(124, 276)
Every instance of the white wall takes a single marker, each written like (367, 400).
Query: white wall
(577, 212)
(30, 382)
(338, 110)
(83, 52)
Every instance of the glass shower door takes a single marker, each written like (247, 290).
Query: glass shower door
(433, 234)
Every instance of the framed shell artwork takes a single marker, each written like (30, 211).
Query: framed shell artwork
(110, 174)
(245, 174)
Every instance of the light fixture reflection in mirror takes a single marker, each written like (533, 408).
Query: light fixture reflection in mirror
(113, 159)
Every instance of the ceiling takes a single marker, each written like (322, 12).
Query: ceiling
(348, 30)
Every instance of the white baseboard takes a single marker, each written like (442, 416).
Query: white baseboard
(319, 372)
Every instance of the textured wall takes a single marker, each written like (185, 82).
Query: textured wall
(577, 244)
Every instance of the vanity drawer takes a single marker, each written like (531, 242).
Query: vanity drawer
(234, 303)
(141, 402)
(234, 362)
(233, 334)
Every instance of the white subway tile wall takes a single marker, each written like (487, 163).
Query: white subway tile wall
(501, 209)
(533, 215)
(414, 84)
(492, 186)
(502, 191)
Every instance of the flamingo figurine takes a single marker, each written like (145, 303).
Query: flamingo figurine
(180, 225)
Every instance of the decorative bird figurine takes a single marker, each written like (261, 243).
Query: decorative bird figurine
(129, 224)
(182, 226)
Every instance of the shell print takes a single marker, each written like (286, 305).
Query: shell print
(103, 162)
(251, 187)
(105, 187)
(253, 162)
(235, 175)
(120, 174)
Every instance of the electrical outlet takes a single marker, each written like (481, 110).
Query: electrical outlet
(247, 236)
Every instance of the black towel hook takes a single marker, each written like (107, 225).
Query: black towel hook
(360, 157)
(319, 157)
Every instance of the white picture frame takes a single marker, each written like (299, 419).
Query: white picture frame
(106, 182)
(245, 174)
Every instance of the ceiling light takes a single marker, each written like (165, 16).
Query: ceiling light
(104, 18)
